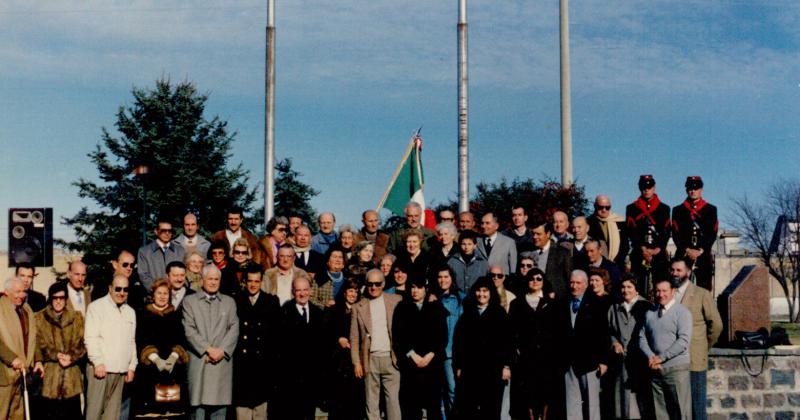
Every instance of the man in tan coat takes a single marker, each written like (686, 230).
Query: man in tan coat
(371, 347)
(278, 280)
(17, 348)
(706, 328)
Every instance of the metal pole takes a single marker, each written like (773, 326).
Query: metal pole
(566, 105)
(463, 110)
(269, 118)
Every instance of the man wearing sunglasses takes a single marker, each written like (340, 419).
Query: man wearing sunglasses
(110, 336)
(611, 228)
(372, 348)
(694, 230)
(154, 257)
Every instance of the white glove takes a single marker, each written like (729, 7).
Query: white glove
(169, 364)
(159, 362)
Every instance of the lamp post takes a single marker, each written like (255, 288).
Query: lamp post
(141, 172)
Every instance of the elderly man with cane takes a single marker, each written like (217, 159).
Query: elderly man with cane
(17, 349)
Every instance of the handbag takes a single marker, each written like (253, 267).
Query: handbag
(168, 393)
(751, 340)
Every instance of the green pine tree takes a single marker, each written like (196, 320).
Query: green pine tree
(187, 159)
(292, 196)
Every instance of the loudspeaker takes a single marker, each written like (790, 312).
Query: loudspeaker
(30, 237)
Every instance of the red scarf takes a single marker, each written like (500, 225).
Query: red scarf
(641, 203)
(694, 212)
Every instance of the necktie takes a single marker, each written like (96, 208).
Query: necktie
(575, 305)
(23, 323)
(305, 315)
(80, 297)
(660, 311)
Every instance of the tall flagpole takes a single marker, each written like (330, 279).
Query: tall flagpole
(269, 117)
(463, 111)
(566, 104)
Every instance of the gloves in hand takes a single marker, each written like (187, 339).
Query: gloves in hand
(169, 364)
(160, 363)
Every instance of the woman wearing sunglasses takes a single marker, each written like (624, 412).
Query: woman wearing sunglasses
(60, 340)
(532, 321)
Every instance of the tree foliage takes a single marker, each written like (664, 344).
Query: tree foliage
(771, 227)
(292, 196)
(187, 157)
(540, 199)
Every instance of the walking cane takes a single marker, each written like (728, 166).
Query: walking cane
(25, 397)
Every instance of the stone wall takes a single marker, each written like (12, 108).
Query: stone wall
(769, 394)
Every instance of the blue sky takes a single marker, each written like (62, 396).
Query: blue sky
(672, 88)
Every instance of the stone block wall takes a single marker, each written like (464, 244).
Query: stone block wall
(771, 393)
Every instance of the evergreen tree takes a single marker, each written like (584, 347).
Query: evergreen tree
(292, 196)
(187, 159)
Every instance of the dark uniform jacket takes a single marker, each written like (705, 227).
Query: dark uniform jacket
(694, 225)
(648, 223)
(254, 367)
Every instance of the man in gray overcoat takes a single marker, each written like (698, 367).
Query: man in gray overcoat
(212, 330)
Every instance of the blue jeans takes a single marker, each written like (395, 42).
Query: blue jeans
(449, 391)
(698, 383)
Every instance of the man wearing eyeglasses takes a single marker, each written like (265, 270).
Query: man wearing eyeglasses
(154, 257)
(372, 348)
(610, 227)
(694, 230)
(110, 336)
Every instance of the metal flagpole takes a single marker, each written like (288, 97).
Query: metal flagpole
(566, 104)
(269, 118)
(463, 111)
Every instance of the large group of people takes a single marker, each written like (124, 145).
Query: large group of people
(588, 318)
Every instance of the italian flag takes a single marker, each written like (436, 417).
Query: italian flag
(407, 182)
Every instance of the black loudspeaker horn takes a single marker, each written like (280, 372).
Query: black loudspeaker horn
(30, 236)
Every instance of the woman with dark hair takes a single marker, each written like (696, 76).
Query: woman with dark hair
(630, 396)
(360, 262)
(59, 340)
(518, 282)
(218, 254)
(452, 299)
(328, 282)
(482, 353)
(400, 273)
(532, 323)
(277, 228)
(599, 280)
(162, 358)
(346, 397)
(419, 337)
